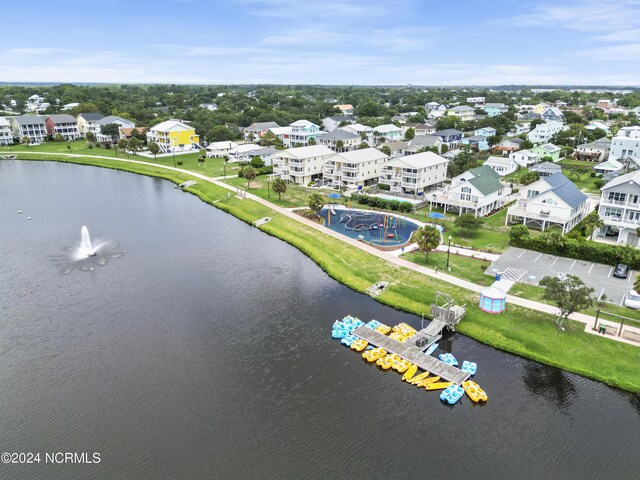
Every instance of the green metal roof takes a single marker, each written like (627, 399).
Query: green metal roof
(485, 179)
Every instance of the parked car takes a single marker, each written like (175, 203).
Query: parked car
(632, 300)
(621, 271)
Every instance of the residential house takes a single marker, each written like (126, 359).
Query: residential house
(36, 103)
(209, 106)
(345, 109)
(495, 109)
(87, 123)
(485, 131)
(547, 150)
(174, 136)
(552, 200)
(256, 130)
(435, 110)
(396, 149)
(478, 191)
(519, 128)
(508, 145)
(426, 128)
(332, 123)
(6, 136)
(349, 141)
(237, 153)
(477, 102)
(552, 114)
(451, 154)
(125, 133)
(357, 167)
(282, 133)
(544, 131)
(608, 167)
(302, 131)
(626, 144)
(524, 158)
(220, 149)
(479, 143)
(62, 124)
(620, 208)
(109, 120)
(363, 130)
(606, 104)
(389, 132)
(70, 106)
(414, 174)
(420, 142)
(540, 108)
(597, 124)
(463, 112)
(30, 126)
(595, 151)
(266, 154)
(406, 126)
(502, 165)
(301, 165)
(450, 137)
(546, 169)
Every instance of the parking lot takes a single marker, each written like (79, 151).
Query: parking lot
(529, 267)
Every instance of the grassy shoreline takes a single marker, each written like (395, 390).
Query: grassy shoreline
(520, 331)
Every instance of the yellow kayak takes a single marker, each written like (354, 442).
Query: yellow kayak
(474, 391)
(408, 375)
(437, 385)
(418, 378)
(428, 380)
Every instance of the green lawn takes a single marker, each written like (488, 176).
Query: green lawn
(295, 196)
(470, 269)
(521, 331)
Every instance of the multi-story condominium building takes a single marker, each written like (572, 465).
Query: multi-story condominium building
(502, 165)
(389, 132)
(414, 174)
(30, 126)
(256, 130)
(620, 208)
(495, 109)
(340, 140)
(544, 131)
(478, 191)
(62, 124)
(302, 131)
(450, 137)
(173, 136)
(552, 200)
(357, 167)
(595, 151)
(626, 144)
(331, 123)
(463, 112)
(6, 136)
(111, 119)
(87, 123)
(301, 165)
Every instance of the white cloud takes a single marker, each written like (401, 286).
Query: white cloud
(615, 52)
(33, 51)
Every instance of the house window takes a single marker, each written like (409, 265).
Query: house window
(617, 197)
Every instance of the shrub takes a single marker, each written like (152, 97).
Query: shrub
(592, 174)
(384, 186)
(599, 183)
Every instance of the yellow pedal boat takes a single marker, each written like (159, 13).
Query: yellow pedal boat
(408, 375)
(359, 345)
(383, 329)
(373, 355)
(437, 385)
(473, 390)
(385, 362)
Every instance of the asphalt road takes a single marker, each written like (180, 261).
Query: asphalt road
(529, 267)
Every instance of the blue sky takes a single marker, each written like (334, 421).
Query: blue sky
(427, 42)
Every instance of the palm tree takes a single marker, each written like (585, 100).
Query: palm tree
(591, 223)
(339, 145)
(428, 238)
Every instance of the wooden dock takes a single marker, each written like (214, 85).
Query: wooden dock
(412, 354)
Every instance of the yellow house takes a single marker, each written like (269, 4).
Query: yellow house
(173, 136)
(540, 108)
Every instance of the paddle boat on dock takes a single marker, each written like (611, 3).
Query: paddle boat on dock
(474, 391)
(452, 394)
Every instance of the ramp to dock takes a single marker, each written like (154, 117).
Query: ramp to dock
(412, 354)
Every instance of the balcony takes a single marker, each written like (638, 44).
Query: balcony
(410, 174)
(620, 222)
(350, 169)
(541, 215)
(449, 200)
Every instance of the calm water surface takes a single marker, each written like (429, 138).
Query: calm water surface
(205, 352)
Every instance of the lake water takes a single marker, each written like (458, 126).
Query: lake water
(205, 351)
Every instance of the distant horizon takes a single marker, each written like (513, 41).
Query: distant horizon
(360, 42)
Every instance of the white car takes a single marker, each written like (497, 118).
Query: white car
(632, 300)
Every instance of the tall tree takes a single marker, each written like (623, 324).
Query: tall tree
(249, 173)
(592, 222)
(154, 148)
(409, 134)
(427, 238)
(570, 294)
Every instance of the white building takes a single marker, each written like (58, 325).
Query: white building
(301, 165)
(237, 153)
(302, 132)
(595, 151)
(544, 131)
(331, 123)
(112, 119)
(220, 149)
(30, 126)
(502, 165)
(87, 122)
(478, 191)
(524, 158)
(6, 136)
(414, 174)
(348, 141)
(359, 129)
(620, 208)
(357, 167)
(626, 144)
(389, 132)
(552, 200)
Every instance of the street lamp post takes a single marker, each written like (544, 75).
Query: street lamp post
(448, 252)
(224, 166)
(269, 181)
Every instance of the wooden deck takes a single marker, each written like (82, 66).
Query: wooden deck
(412, 354)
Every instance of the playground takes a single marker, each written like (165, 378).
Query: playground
(376, 228)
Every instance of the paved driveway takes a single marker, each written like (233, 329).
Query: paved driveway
(529, 267)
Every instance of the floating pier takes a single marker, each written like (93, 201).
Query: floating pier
(413, 354)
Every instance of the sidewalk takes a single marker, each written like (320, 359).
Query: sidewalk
(589, 321)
